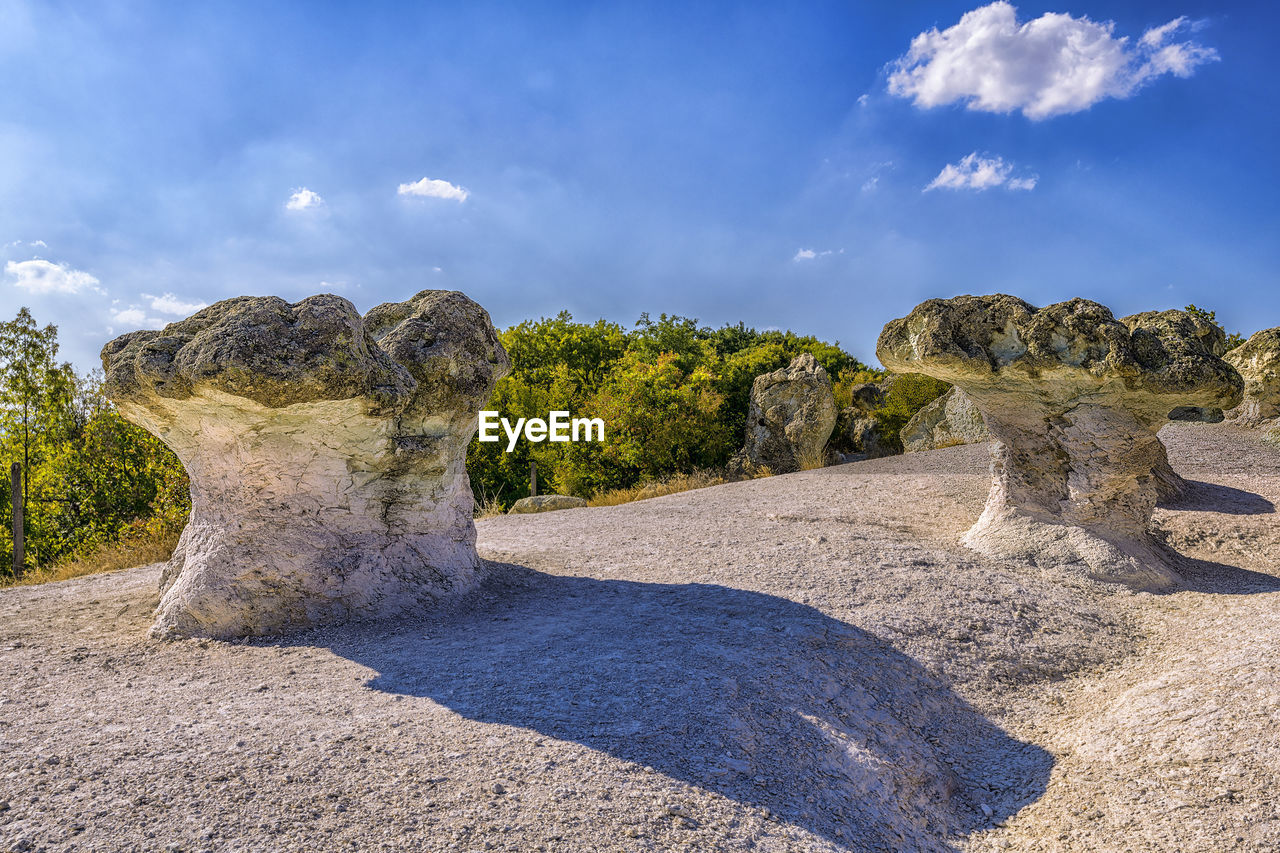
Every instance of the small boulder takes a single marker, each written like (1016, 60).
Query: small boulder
(545, 503)
(949, 420)
(791, 416)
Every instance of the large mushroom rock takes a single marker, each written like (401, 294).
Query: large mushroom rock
(949, 420)
(1074, 399)
(1258, 360)
(790, 418)
(326, 453)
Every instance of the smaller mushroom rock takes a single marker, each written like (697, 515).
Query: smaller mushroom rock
(1074, 399)
(326, 453)
(1258, 360)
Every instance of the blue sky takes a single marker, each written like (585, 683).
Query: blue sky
(816, 166)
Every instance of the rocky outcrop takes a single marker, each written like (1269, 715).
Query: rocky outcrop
(545, 503)
(326, 453)
(1073, 398)
(791, 416)
(949, 420)
(1258, 361)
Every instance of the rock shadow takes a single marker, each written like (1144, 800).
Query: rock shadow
(1212, 497)
(1216, 578)
(765, 701)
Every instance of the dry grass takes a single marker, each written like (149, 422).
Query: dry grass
(669, 486)
(810, 460)
(135, 551)
(487, 506)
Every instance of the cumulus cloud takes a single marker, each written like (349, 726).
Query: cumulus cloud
(129, 317)
(430, 188)
(173, 306)
(980, 173)
(304, 199)
(1048, 66)
(41, 276)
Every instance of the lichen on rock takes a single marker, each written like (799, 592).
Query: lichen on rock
(1074, 399)
(326, 453)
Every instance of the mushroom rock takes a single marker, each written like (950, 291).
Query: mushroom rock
(326, 453)
(1073, 399)
(1258, 360)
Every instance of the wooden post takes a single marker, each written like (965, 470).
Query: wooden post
(15, 481)
(533, 478)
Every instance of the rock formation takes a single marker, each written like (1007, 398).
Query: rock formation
(326, 453)
(949, 420)
(545, 503)
(792, 413)
(857, 433)
(1073, 398)
(1258, 360)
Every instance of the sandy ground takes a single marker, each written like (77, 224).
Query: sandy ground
(806, 662)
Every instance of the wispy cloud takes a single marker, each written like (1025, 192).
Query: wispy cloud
(980, 173)
(432, 188)
(173, 305)
(1048, 66)
(41, 276)
(304, 199)
(810, 254)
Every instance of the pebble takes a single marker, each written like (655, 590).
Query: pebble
(987, 810)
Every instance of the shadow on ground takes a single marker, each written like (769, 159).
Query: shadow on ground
(1212, 497)
(755, 697)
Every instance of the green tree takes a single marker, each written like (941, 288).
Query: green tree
(1234, 339)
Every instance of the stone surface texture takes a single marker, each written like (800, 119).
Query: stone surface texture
(791, 416)
(949, 420)
(1258, 361)
(546, 503)
(326, 453)
(1074, 399)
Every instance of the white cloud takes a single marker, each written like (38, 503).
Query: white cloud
(437, 269)
(172, 305)
(303, 199)
(862, 100)
(810, 254)
(41, 276)
(1049, 66)
(871, 184)
(132, 318)
(980, 173)
(430, 188)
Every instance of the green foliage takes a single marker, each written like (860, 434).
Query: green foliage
(673, 396)
(90, 476)
(1234, 339)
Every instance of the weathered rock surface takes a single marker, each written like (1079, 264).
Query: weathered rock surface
(1073, 398)
(949, 420)
(546, 503)
(792, 414)
(326, 453)
(1258, 360)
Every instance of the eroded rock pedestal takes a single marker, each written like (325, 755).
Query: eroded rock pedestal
(1073, 399)
(326, 453)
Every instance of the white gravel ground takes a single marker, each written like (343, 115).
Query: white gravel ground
(806, 662)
